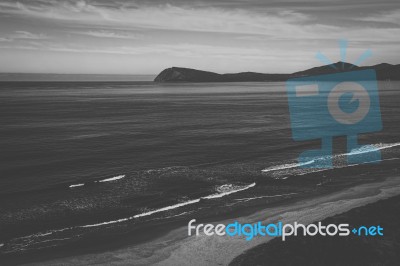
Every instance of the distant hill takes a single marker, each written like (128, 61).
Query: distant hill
(179, 74)
(328, 69)
(186, 74)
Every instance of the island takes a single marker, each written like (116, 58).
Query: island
(384, 71)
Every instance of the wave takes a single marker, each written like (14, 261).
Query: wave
(166, 169)
(111, 178)
(372, 147)
(286, 166)
(360, 150)
(172, 216)
(76, 185)
(228, 189)
(171, 207)
(86, 136)
(268, 196)
(350, 165)
(224, 190)
(99, 181)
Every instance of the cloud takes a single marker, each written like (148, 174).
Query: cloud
(23, 35)
(111, 34)
(28, 35)
(389, 17)
(209, 31)
(273, 22)
(207, 19)
(183, 49)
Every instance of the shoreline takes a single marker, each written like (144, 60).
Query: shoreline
(175, 247)
(127, 235)
(337, 250)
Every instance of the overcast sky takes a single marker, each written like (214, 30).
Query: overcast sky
(144, 37)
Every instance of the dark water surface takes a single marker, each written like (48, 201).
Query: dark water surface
(82, 157)
(61, 133)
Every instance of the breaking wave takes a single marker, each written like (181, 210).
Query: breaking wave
(228, 189)
(111, 179)
(286, 166)
(223, 191)
(76, 185)
(301, 171)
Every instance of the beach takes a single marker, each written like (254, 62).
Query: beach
(337, 250)
(176, 248)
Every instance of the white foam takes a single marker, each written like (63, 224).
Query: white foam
(76, 185)
(382, 146)
(145, 213)
(172, 216)
(269, 196)
(112, 178)
(372, 147)
(286, 166)
(105, 223)
(360, 150)
(350, 165)
(178, 205)
(228, 189)
(167, 208)
(100, 181)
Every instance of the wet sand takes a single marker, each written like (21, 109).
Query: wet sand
(337, 250)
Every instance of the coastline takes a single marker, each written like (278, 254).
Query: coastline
(176, 248)
(337, 250)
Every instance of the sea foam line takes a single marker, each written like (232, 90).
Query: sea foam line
(171, 207)
(100, 181)
(212, 196)
(143, 214)
(220, 195)
(363, 149)
(268, 196)
(76, 185)
(351, 165)
(286, 166)
(111, 179)
(372, 147)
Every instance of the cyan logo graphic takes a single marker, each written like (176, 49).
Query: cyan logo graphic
(339, 104)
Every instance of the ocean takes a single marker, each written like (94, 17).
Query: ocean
(106, 162)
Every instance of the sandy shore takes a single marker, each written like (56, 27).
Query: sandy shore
(176, 248)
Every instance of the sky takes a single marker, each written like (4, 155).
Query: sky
(145, 37)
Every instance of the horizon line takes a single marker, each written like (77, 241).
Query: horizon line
(152, 74)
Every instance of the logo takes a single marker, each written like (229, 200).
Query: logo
(250, 231)
(338, 104)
